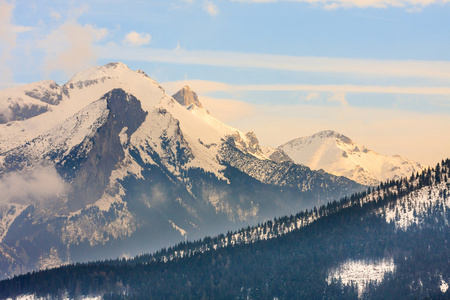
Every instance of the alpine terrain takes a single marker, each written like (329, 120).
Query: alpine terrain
(390, 242)
(109, 165)
(339, 155)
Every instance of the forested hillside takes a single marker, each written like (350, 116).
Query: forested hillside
(391, 242)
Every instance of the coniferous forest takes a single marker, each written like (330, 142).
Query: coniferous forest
(404, 221)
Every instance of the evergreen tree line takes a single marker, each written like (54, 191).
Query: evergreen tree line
(294, 265)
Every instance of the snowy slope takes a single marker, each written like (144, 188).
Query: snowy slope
(201, 129)
(24, 102)
(8, 213)
(339, 155)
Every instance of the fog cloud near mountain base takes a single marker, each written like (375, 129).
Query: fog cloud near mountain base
(38, 185)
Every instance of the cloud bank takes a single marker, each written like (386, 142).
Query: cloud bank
(368, 67)
(137, 39)
(8, 35)
(37, 185)
(70, 47)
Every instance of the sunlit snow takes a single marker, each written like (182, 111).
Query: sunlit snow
(339, 155)
(362, 273)
(406, 212)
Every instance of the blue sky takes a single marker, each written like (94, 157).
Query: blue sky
(375, 70)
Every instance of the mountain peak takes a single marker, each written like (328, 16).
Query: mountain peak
(110, 70)
(332, 134)
(339, 155)
(114, 65)
(186, 97)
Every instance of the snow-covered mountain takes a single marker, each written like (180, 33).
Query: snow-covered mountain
(339, 155)
(27, 101)
(118, 167)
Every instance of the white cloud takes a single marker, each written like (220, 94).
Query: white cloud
(69, 48)
(8, 36)
(338, 97)
(385, 68)
(227, 110)
(409, 5)
(312, 96)
(55, 15)
(40, 184)
(21, 29)
(210, 8)
(137, 39)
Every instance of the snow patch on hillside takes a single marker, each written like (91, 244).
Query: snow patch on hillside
(361, 273)
(50, 260)
(8, 213)
(182, 231)
(116, 223)
(406, 212)
(443, 286)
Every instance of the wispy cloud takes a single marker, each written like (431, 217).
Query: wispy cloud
(55, 15)
(385, 68)
(338, 97)
(70, 47)
(210, 8)
(8, 35)
(40, 184)
(312, 96)
(410, 5)
(137, 39)
(228, 110)
(203, 86)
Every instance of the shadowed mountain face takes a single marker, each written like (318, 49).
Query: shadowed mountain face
(118, 167)
(92, 172)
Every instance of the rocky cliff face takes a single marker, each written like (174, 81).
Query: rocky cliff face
(276, 155)
(92, 172)
(187, 97)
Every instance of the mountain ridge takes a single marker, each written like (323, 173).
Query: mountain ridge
(339, 155)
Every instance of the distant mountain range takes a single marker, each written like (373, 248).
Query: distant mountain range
(339, 155)
(109, 165)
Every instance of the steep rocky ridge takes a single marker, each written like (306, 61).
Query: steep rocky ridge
(187, 97)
